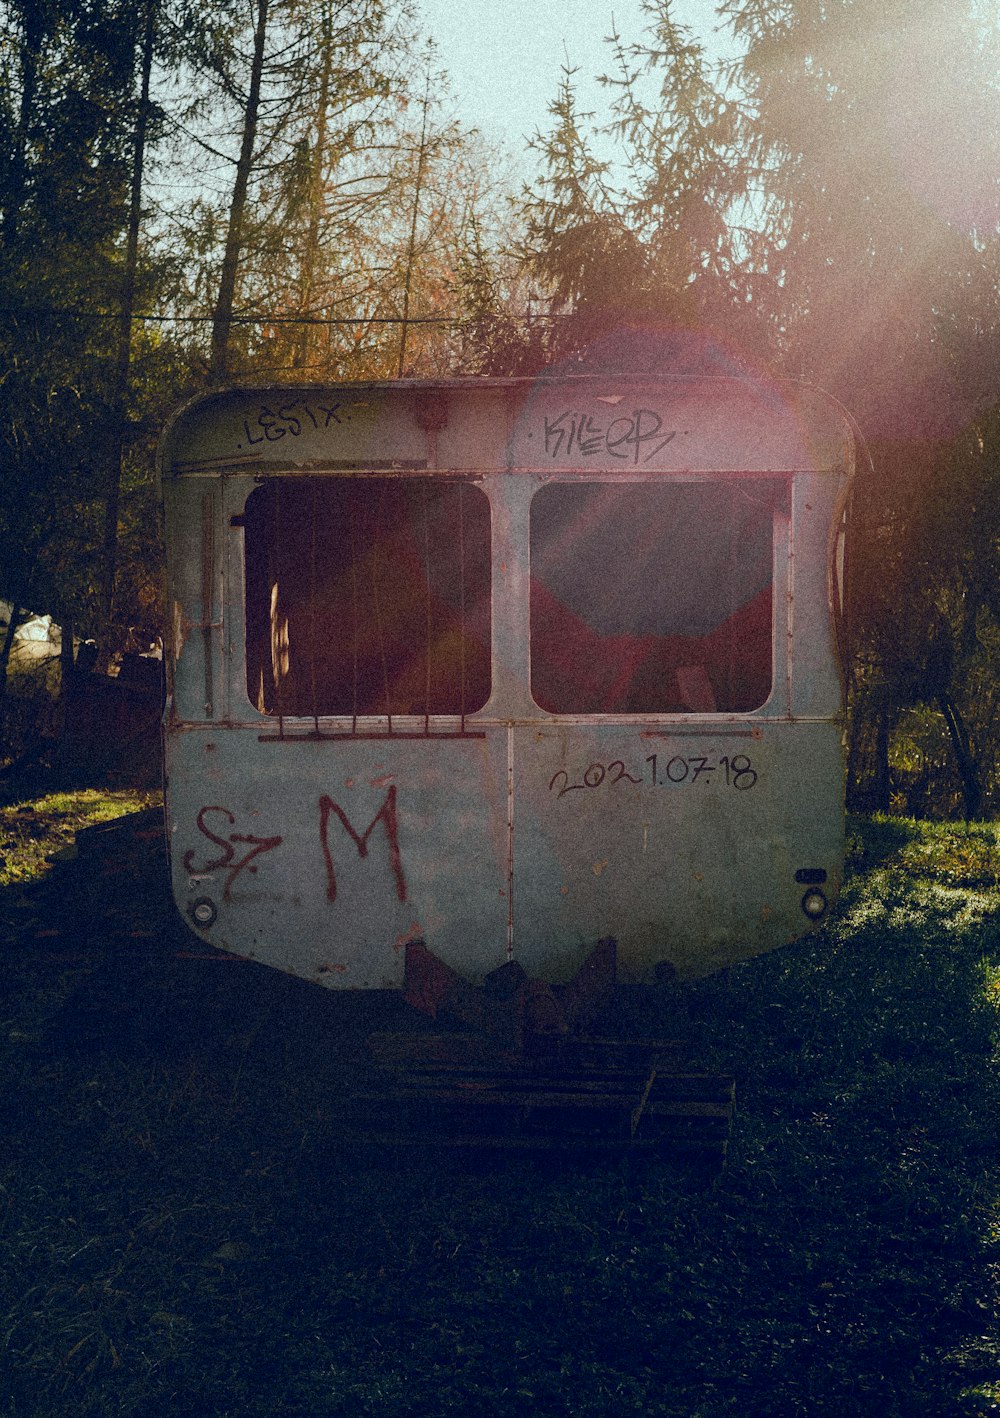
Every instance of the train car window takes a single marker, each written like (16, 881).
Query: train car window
(367, 596)
(652, 597)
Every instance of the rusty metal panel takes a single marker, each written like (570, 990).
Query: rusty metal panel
(194, 597)
(324, 859)
(816, 674)
(683, 842)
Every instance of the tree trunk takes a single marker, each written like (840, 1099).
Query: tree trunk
(67, 671)
(34, 21)
(316, 194)
(968, 769)
(880, 793)
(412, 243)
(223, 318)
(868, 751)
(120, 397)
(6, 646)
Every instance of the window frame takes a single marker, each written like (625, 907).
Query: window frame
(348, 724)
(777, 703)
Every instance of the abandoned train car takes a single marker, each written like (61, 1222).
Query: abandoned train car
(506, 666)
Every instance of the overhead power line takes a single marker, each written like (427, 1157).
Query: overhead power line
(63, 314)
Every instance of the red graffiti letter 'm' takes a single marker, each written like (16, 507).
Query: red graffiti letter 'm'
(386, 815)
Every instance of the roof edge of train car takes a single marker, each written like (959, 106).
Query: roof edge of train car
(807, 398)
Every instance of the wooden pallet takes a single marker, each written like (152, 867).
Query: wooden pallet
(577, 1094)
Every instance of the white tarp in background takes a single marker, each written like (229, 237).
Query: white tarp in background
(37, 642)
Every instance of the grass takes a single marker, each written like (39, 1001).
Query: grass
(35, 828)
(186, 1234)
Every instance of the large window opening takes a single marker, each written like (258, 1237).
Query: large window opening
(367, 596)
(652, 597)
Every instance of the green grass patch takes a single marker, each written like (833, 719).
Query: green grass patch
(954, 855)
(35, 828)
(187, 1232)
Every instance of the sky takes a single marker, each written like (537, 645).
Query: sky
(506, 57)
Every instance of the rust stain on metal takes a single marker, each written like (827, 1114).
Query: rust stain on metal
(510, 1008)
(407, 937)
(182, 627)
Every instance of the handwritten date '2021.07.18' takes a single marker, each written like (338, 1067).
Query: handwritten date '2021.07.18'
(734, 772)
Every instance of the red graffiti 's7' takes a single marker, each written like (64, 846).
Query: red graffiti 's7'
(226, 861)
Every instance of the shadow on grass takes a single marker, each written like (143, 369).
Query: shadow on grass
(190, 1233)
(873, 841)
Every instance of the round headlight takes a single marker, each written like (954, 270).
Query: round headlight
(814, 904)
(202, 912)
